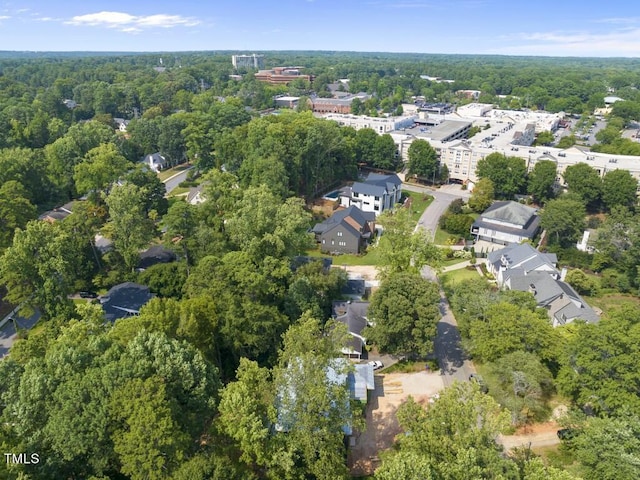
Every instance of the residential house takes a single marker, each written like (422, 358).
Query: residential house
(121, 124)
(354, 316)
(300, 260)
(519, 259)
(355, 288)
(506, 222)
(376, 194)
(346, 231)
(359, 379)
(155, 255)
(522, 268)
(156, 162)
(124, 300)
(196, 195)
(58, 213)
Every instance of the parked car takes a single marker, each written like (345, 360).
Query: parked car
(474, 377)
(376, 364)
(88, 295)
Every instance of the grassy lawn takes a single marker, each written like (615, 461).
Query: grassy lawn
(371, 257)
(612, 301)
(453, 261)
(164, 174)
(441, 237)
(420, 202)
(179, 192)
(457, 276)
(411, 366)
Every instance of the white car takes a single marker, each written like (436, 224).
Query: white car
(376, 364)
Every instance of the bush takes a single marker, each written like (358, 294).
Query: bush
(456, 206)
(583, 284)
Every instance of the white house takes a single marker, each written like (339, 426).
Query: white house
(156, 162)
(376, 194)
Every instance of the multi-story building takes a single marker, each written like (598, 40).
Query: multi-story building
(342, 104)
(282, 75)
(380, 124)
(376, 194)
(247, 61)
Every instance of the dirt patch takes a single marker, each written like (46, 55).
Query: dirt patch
(366, 272)
(532, 436)
(323, 208)
(382, 424)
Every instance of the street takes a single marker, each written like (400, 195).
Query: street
(172, 182)
(451, 357)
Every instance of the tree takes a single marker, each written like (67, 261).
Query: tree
(181, 222)
(15, 211)
(130, 228)
(366, 139)
(598, 367)
(508, 174)
(510, 328)
(423, 159)
(544, 138)
(564, 220)
(482, 195)
(526, 385)
(404, 313)
(567, 141)
(402, 248)
(455, 438)
(38, 268)
(542, 180)
(101, 167)
(583, 284)
(584, 181)
(385, 152)
(152, 190)
(619, 188)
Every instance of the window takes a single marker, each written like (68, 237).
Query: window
(342, 244)
(377, 207)
(323, 241)
(333, 242)
(355, 194)
(339, 234)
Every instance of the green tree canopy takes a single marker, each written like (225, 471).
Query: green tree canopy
(584, 181)
(508, 174)
(482, 195)
(423, 159)
(564, 220)
(542, 180)
(619, 187)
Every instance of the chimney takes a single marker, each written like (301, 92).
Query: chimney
(563, 274)
(532, 289)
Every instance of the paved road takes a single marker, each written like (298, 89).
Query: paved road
(172, 182)
(454, 364)
(452, 359)
(8, 333)
(442, 200)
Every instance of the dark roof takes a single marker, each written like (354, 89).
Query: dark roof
(354, 287)
(528, 232)
(124, 300)
(339, 216)
(154, 255)
(523, 256)
(377, 184)
(352, 314)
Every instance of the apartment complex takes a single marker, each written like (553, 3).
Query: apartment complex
(247, 61)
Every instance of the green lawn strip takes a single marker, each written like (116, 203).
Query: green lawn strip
(371, 257)
(612, 301)
(406, 366)
(457, 276)
(419, 203)
(164, 174)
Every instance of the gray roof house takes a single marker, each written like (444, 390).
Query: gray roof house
(156, 162)
(354, 316)
(376, 194)
(124, 300)
(505, 223)
(154, 255)
(346, 231)
(523, 268)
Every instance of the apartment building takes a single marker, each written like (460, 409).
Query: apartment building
(282, 75)
(247, 61)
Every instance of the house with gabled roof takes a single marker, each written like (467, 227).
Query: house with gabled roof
(124, 300)
(346, 231)
(506, 222)
(375, 194)
(354, 316)
(523, 268)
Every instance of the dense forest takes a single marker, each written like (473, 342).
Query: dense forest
(192, 387)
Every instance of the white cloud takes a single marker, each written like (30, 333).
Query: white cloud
(620, 42)
(4, 17)
(132, 23)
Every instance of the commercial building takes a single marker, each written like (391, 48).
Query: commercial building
(380, 124)
(342, 104)
(282, 75)
(247, 61)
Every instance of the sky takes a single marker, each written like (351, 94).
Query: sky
(586, 28)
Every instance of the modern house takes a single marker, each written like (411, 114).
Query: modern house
(376, 194)
(523, 268)
(354, 316)
(124, 300)
(346, 231)
(505, 223)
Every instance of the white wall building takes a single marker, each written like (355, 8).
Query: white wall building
(381, 125)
